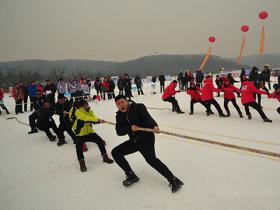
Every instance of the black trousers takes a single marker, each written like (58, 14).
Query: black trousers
(120, 91)
(233, 101)
(215, 104)
(18, 108)
(32, 119)
(197, 101)
(25, 103)
(93, 137)
(259, 96)
(140, 90)
(32, 100)
(147, 149)
(4, 108)
(278, 110)
(46, 128)
(162, 87)
(255, 106)
(175, 105)
(128, 93)
(65, 125)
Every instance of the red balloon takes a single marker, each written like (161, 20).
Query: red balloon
(263, 15)
(212, 39)
(244, 28)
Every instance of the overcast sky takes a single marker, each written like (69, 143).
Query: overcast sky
(125, 29)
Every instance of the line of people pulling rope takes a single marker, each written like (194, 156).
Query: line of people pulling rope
(77, 120)
(205, 96)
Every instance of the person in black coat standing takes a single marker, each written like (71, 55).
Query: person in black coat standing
(130, 118)
(45, 122)
(199, 76)
(161, 79)
(112, 86)
(255, 78)
(98, 85)
(127, 86)
(50, 90)
(139, 85)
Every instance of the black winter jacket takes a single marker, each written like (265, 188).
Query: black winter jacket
(137, 114)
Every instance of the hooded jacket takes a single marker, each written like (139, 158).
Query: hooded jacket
(208, 89)
(229, 91)
(169, 91)
(247, 92)
(194, 93)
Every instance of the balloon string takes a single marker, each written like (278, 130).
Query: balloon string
(206, 58)
(241, 50)
(262, 42)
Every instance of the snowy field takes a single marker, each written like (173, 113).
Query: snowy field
(37, 174)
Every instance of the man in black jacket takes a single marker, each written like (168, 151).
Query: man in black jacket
(45, 122)
(161, 79)
(130, 118)
(50, 90)
(62, 108)
(37, 104)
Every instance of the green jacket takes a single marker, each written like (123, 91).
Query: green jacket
(82, 124)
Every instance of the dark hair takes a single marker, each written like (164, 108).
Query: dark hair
(174, 81)
(60, 96)
(118, 97)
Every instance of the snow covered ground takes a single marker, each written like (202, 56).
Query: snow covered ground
(36, 174)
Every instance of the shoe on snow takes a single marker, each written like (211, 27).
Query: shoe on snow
(83, 167)
(175, 184)
(34, 130)
(53, 138)
(130, 179)
(106, 159)
(61, 142)
(267, 120)
(180, 112)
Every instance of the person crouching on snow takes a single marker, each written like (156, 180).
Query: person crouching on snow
(229, 96)
(129, 119)
(45, 122)
(84, 133)
(194, 92)
(276, 95)
(168, 95)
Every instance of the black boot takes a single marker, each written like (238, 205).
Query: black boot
(267, 120)
(61, 142)
(249, 117)
(106, 159)
(52, 138)
(240, 115)
(83, 167)
(33, 130)
(131, 178)
(179, 111)
(175, 184)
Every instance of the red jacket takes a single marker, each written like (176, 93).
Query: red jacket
(105, 85)
(247, 92)
(195, 94)
(208, 89)
(229, 91)
(274, 95)
(169, 91)
(1, 93)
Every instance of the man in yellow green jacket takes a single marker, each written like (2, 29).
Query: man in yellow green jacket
(84, 118)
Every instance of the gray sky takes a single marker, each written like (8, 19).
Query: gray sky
(125, 29)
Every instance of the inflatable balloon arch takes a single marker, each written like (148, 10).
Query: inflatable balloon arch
(263, 15)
